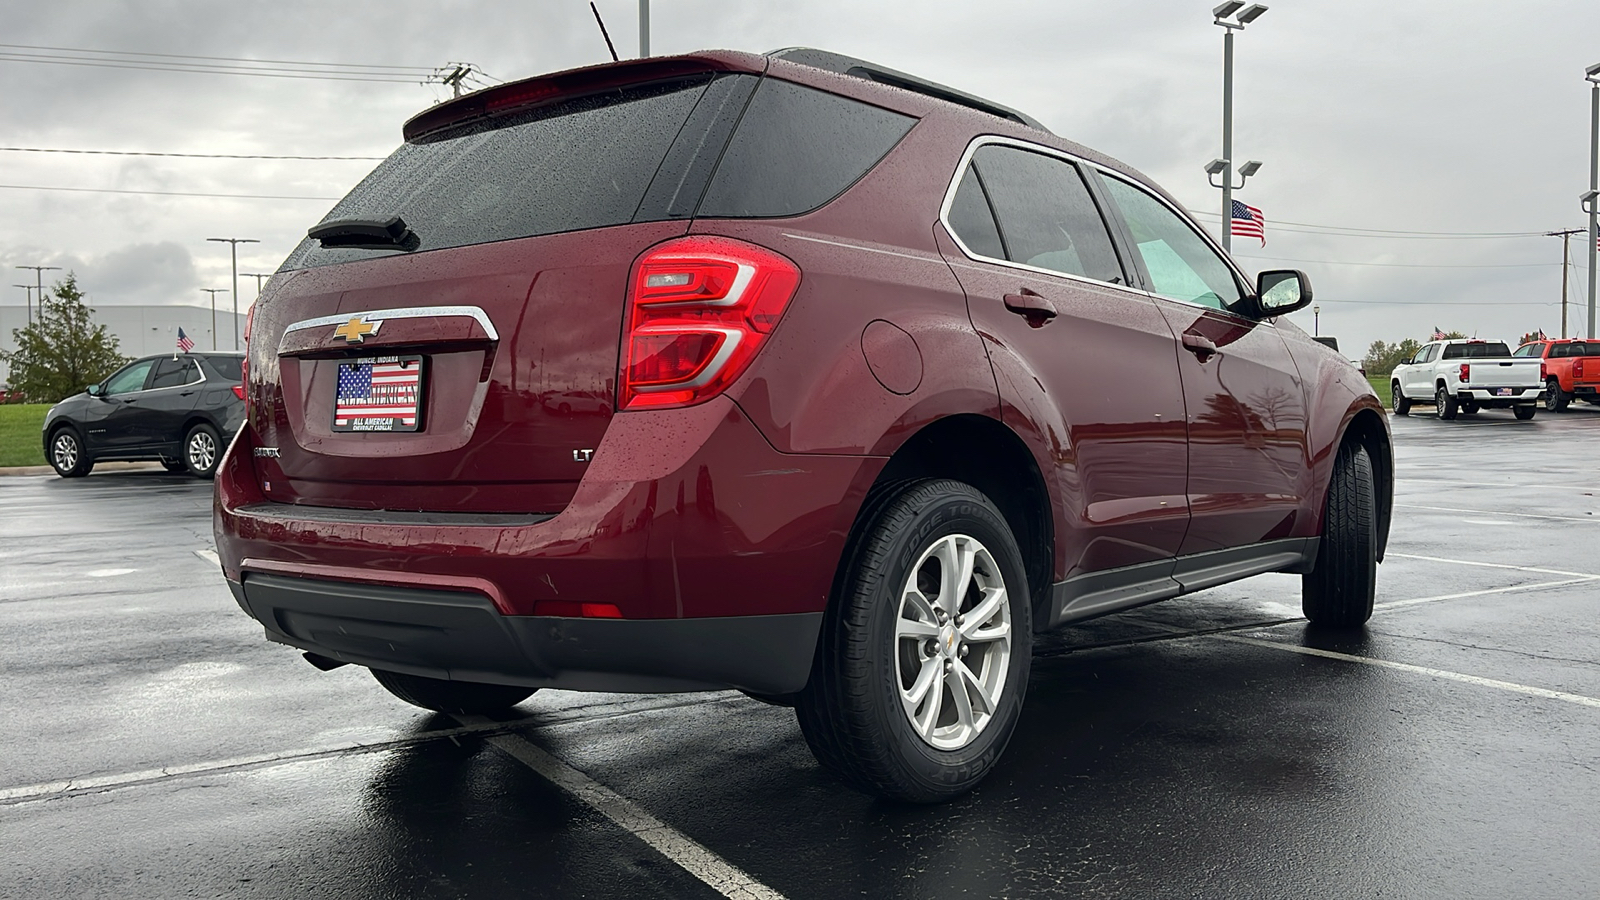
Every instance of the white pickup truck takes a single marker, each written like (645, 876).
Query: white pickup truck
(1466, 376)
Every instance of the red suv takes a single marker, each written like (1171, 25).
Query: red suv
(788, 373)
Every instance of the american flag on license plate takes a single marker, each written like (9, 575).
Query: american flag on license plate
(378, 388)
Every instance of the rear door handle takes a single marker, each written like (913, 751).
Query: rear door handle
(1027, 303)
(1199, 345)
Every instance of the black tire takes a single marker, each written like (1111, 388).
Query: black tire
(1555, 399)
(202, 450)
(465, 697)
(1444, 403)
(67, 454)
(1398, 401)
(1338, 591)
(1470, 407)
(851, 711)
(175, 466)
(1525, 411)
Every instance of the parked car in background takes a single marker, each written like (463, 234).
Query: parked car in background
(1466, 375)
(849, 433)
(179, 409)
(1571, 370)
(1332, 343)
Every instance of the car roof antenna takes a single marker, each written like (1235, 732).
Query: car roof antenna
(603, 33)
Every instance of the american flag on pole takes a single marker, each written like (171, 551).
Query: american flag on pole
(1438, 335)
(377, 389)
(185, 343)
(1248, 222)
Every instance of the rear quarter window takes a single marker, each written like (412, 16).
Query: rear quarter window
(227, 367)
(797, 148)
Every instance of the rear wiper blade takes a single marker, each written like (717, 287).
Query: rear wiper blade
(366, 234)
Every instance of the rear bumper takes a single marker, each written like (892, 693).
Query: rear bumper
(1489, 395)
(716, 549)
(462, 636)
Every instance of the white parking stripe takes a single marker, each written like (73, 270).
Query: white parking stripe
(1513, 687)
(721, 875)
(1490, 565)
(1397, 604)
(209, 556)
(1450, 509)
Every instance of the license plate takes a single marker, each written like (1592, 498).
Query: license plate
(1505, 392)
(383, 393)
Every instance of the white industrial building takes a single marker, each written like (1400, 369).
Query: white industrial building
(142, 330)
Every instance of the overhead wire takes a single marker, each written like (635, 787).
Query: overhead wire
(183, 155)
(40, 187)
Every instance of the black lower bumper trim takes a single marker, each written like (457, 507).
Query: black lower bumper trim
(461, 636)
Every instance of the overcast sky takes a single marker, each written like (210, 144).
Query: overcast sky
(1411, 115)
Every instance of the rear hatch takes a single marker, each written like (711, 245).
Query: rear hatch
(465, 357)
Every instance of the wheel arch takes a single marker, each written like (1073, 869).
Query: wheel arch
(983, 452)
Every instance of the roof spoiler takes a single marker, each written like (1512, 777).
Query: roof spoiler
(860, 68)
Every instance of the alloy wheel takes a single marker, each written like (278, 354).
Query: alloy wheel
(64, 449)
(202, 451)
(952, 642)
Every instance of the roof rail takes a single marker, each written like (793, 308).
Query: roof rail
(860, 68)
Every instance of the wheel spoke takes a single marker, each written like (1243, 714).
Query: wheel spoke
(968, 558)
(990, 702)
(948, 555)
(930, 717)
(914, 628)
(919, 688)
(992, 602)
(960, 696)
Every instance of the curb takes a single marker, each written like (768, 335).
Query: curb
(100, 467)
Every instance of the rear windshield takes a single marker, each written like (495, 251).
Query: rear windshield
(1577, 348)
(1483, 350)
(581, 164)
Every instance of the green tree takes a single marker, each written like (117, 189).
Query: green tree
(62, 350)
(1382, 358)
(1530, 337)
(1452, 336)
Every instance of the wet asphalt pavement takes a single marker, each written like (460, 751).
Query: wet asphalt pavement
(1212, 746)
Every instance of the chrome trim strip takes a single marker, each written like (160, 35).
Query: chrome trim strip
(410, 312)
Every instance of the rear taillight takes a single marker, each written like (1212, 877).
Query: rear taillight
(244, 364)
(1577, 368)
(1544, 372)
(1466, 371)
(699, 309)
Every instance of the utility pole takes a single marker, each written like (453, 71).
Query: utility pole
(454, 78)
(644, 28)
(214, 292)
(38, 285)
(233, 246)
(1566, 260)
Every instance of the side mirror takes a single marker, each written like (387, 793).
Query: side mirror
(1282, 291)
(94, 390)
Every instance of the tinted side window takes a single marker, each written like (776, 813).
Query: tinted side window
(972, 220)
(173, 373)
(228, 367)
(796, 149)
(1529, 350)
(1181, 264)
(130, 379)
(1047, 218)
(585, 163)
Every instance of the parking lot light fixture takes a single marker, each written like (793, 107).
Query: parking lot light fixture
(1246, 16)
(1249, 168)
(1592, 75)
(1216, 166)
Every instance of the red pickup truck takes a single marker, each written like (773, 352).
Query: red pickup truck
(1571, 369)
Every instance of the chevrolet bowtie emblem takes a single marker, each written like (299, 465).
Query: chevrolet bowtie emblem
(356, 330)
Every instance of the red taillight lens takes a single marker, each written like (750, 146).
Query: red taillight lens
(1544, 371)
(573, 609)
(1466, 372)
(238, 391)
(1577, 368)
(244, 364)
(699, 309)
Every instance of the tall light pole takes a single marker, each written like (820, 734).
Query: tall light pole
(233, 247)
(214, 292)
(644, 28)
(257, 276)
(38, 286)
(1316, 321)
(1224, 166)
(1592, 75)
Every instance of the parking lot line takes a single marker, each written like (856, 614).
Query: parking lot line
(1493, 512)
(1490, 565)
(694, 857)
(1447, 675)
(1397, 604)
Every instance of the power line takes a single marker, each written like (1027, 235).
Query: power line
(261, 73)
(182, 155)
(1381, 232)
(1335, 262)
(289, 62)
(40, 187)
